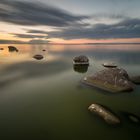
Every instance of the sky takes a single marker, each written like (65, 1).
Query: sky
(69, 21)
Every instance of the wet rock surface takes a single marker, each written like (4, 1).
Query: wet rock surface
(104, 114)
(113, 80)
(135, 79)
(110, 65)
(12, 49)
(38, 57)
(81, 60)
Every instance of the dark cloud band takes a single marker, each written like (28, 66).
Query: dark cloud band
(129, 28)
(30, 13)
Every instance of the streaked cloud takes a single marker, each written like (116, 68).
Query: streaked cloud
(129, 28)
(29, 36)
(35, 13)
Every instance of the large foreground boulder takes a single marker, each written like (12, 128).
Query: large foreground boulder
(113, 80)
(81, 60)
(104, 113)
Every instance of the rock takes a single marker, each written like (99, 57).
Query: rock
(80, 68)
(110, 65)
(43, 50)
(12, 49)
(38, 57)
(135, 79)
(81, 60)
(1, 49)
(113, 80)
(132, 117)
(104, 113)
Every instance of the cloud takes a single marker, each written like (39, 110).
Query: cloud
(37, 32)
(38, 41)
(129, 28)
(2, 41)
(29, 36)
(31, 13)
(32, 41)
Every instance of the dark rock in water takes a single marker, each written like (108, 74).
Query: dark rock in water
(110, 65)
(132, 117)
(81, 60)
(1, 49)
(12, 49)
(135, 79)
(104, 113)
(80, 68)
(113, 80)
(38, 57)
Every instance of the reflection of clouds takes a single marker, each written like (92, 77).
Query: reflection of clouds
(122, 57)
(27, 70)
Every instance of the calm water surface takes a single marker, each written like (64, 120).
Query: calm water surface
(45, 100)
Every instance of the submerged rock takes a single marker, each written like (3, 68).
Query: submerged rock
(104, 113)
(81, 60)
(132, 117)
(80, 68)
(1, 49)
(113, 80)
(135, 79)
(12, 49)
(38, 57)
(110, 65)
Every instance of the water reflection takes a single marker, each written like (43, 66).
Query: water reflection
(80, 68)
(41, 98)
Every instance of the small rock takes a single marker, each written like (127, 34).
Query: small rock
(12, 49)
(132, 117)
(43, 50)
(1, 49)
(81, 60)
(38, 57)
(135, 79)
(104, 113)
(110, 65)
